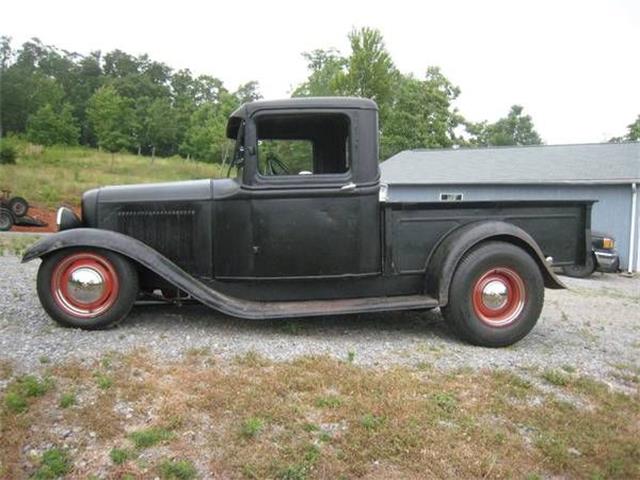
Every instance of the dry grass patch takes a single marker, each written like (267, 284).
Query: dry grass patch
(322, 418)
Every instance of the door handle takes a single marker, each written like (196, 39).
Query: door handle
(348, 187)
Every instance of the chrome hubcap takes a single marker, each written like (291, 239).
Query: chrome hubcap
(495, 295)
(85, 285)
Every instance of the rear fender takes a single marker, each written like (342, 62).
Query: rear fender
(441, 265)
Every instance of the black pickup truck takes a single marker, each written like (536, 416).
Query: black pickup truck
(303, 229)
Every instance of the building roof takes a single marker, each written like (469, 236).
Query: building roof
(583, 163)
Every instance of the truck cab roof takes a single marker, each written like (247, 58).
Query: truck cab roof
(298, 103)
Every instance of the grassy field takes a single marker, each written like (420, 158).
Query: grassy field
(54, 175)
(135, 416)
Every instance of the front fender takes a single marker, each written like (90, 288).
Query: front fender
(442, 264)
(154, 261)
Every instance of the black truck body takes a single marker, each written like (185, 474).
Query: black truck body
(278, 243)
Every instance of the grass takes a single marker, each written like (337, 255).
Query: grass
(53, 175)
(318, 417)
(177, 470)
(251, 427)
(67, 400)
(19, 392)
(149, 437)
(16, 244)
(55, 463)
(120, 455)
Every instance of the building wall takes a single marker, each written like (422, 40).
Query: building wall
(611, 214)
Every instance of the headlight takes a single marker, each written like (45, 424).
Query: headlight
(66, 219)
(608, 243)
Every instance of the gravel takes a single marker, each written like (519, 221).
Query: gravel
(593, 327)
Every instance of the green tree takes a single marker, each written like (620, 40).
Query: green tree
(161, 126)
(633, 134)
(112, 119)
(324, 66)
(369, 72)
(515, 129)
(421, 114)
(49, 127)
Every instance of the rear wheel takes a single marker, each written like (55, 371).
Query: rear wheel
(496, 295)
(6, 220)
(86, 288)
(18, 206)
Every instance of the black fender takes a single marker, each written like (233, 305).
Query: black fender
(154, 261)
(442, 263)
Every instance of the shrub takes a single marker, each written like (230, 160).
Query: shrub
(8, 153)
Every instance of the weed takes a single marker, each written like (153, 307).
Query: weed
(177, 470)
(445, 401)
(371, 422)
(120, 455)
(55, 463)
(251, 427)
(556, 378)
(23, 388)
(67, 400)
(150, 436)
(328, 401)
(351, 356)
(104, 382)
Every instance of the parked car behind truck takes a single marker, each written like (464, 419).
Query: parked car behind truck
(302, 230)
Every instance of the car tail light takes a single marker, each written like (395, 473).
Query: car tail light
(608, 243)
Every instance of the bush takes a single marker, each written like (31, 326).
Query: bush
(8, 153)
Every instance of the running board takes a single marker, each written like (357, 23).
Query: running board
(314, 308)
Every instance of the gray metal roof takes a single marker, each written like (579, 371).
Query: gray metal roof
(583, 163)
(307, 102)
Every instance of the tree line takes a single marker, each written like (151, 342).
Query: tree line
(121, 102)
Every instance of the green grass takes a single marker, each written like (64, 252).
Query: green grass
(23, 388)
(557, 378)
(177, 470)
(53, 175)
(55, 463)
(120, 455)
(251, 427)
(67, 400)
(104, 382)
(149, 437)
(16, 244)
(328, 401)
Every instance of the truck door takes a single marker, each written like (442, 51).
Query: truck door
(303, 212)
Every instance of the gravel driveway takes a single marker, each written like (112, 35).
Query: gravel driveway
(594, 327)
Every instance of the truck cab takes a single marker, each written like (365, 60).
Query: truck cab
(303, 228)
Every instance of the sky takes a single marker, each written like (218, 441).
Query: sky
(573, 64)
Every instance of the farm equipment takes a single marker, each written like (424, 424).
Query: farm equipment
(13, 211)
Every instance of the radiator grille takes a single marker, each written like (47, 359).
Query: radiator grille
(170, 231)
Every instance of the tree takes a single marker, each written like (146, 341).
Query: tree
(112, 119)
(369, 72)
(421, 114)
(161, 126)
(633, 133)
(325, 66)
(49, 127)
(515, 129)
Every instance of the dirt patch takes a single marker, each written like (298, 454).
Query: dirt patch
(47, 215)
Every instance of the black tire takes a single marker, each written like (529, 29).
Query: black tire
(19, 206)
(487, 263)
(6, 220)
(124, 274)
(581, 271)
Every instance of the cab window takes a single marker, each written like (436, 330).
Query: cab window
(303, 144)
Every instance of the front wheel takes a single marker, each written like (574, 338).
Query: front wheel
(87, 288)
(496, 295)
(19, 206)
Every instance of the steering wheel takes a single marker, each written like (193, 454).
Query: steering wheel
(275, 165)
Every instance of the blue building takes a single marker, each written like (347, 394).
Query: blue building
(606, 172)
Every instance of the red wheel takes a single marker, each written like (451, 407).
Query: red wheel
(496, 295)
(87, 288)
(499, 297)
(84, 284)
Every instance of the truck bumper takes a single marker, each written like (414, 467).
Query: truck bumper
(608, 260)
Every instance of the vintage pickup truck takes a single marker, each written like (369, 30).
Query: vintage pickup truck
(304, 229)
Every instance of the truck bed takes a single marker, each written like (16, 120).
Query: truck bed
(412, 231)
